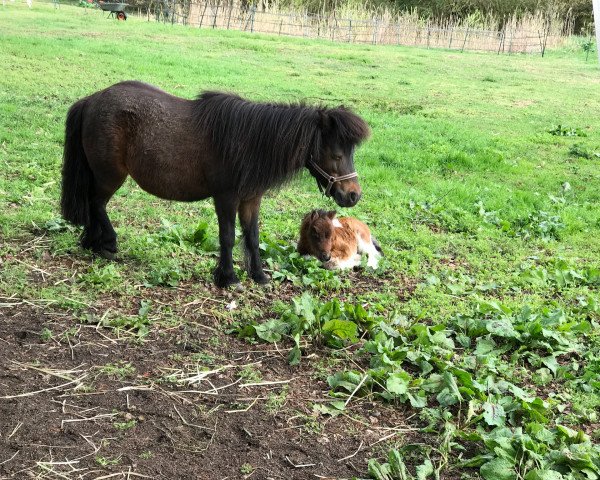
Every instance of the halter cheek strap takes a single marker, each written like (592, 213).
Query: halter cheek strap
(330, 178)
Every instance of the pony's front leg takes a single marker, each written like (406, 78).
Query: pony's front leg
(226, 207)
(248, 211)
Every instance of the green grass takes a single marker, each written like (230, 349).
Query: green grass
(481, 179)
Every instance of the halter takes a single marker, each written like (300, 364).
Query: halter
(330, 178)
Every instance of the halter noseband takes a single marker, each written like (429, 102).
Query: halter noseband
(330, 178)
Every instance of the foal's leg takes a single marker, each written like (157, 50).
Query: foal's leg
(248, 212)
(226, 207)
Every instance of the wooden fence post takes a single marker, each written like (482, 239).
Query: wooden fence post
(375, 31)
(214, 25)
(546, 35)
(202, 16)
(465, 41)
(229, 16)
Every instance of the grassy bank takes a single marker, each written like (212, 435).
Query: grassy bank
(481, 181)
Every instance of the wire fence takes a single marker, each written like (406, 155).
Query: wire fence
(383, 30)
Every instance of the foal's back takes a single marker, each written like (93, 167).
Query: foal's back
(349, 234)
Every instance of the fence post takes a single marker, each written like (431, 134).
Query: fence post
(335, 27)
(214, 25)
(546, 35)
(252, 21)
(318, 26)
(229, 16)
(280, 25)
(398, 33)
(502, 34)
(428, 34)
(465, 41)
(375, 31)
(202, 16)
(349, 30)
(450, 43)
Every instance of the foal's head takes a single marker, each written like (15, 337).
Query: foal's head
(319, 228)
(341, 132)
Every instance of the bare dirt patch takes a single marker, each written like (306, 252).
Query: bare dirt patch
(79, 402)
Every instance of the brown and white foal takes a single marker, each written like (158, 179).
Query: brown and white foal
(338, 243)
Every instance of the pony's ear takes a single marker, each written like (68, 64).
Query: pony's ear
(325, 120)
(331, 214)
(314, 215)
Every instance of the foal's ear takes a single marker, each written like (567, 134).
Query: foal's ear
(314, 215)
(331, 214)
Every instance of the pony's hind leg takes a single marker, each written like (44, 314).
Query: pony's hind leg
(107, 242)
(248, 213)
(100, 236)
(368, 246)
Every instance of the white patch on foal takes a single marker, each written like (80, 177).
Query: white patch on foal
(370, 250)
(336, 223)
(353, 261)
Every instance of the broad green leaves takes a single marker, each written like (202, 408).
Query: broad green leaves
(499, 469)
(331, 323)
(468, 365)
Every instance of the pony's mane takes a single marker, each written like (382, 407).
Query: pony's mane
(265, 144)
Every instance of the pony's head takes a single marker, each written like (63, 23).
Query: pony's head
(320, 227)
(341, 132)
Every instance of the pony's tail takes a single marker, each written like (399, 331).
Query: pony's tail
(77, 177)
(376, 245)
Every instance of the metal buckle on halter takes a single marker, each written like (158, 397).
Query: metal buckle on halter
(330, 178)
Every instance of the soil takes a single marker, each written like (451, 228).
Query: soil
(78, 401)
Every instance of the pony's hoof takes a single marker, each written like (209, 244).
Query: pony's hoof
(224, 280)
(104, 253)
(107, 254)
(260, 278)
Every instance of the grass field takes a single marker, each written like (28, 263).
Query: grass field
(473, 352)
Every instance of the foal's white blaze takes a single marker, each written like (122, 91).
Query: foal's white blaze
(370, 250)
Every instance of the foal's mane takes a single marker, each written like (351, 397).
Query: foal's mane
(265, 144)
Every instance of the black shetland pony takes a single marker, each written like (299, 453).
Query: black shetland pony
(218, 145)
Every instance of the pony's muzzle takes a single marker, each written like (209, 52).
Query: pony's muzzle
(347, 199)
(325, 257)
